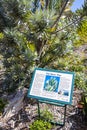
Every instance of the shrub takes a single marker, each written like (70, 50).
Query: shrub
(81, 81)
(46, 114)
(40, 125)
(2, 105)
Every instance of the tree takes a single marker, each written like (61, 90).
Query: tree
(35, 35)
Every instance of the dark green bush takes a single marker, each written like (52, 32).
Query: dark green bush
(2, 105)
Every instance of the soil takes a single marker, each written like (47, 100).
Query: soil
(74, 119)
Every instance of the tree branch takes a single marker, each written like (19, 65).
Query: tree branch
(73, 22)
(61, 12)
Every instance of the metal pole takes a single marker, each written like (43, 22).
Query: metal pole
(38, 109)
(64, 114)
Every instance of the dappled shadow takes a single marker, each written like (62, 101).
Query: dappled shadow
(77, 122)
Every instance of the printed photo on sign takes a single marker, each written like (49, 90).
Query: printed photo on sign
(51, 83)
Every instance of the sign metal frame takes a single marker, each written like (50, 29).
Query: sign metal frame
(47, 100)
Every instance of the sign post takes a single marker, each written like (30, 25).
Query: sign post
(53, 87)
(52, 121)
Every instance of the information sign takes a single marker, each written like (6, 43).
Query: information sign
(52, 85)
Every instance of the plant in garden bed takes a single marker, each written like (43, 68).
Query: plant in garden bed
(84, 100)
(81, 81)
(40, 125)
(46, 115)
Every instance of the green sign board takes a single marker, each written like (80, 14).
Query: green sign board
(52, 85)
